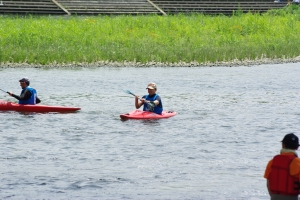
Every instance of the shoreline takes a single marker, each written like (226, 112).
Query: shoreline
(233, 63)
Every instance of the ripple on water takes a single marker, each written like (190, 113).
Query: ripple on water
(230, 122)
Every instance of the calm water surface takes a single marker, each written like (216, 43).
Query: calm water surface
(229, 124)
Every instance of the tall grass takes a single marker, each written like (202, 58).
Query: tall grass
(187, 38)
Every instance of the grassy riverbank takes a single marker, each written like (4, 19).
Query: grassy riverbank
(199, 38)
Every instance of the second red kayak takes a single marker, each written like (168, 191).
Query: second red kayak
(139, 114)
(10, 106)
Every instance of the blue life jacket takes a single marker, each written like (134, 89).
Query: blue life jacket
(157, 109)
(32, 99)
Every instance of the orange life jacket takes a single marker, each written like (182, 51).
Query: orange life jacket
(280, 180)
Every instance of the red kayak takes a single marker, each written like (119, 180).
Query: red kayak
(9, 106)
(138, 114)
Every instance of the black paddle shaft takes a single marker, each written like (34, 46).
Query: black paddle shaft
(4, 91)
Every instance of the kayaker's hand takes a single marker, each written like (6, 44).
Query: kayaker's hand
(10, 93)
(152, 104)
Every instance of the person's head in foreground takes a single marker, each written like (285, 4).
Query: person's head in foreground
(290, 141)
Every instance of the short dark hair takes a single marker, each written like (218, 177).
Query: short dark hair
(26, 80)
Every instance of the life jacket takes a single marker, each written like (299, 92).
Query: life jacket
(280, 180)
(32, 99)
(157, 110)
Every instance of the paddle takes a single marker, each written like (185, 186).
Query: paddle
(4, 91)
(148, 103)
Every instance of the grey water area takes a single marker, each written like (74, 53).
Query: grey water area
(229, 124)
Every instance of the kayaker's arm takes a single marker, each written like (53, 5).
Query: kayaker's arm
(24, 96)
(138, 103)
(37, 100)
(155, 102)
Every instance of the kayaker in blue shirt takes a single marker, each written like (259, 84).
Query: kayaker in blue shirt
(152, 101)
(28, 94)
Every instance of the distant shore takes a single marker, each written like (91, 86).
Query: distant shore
(233, 63)
(145, 41)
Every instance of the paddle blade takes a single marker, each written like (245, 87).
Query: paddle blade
(128, 92)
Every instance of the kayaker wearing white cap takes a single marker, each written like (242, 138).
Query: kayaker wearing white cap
(28, 94)
(152, 101)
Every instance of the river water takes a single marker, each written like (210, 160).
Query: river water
(229, 124)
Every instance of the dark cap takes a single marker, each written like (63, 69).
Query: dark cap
(26, 80)
(291, 141)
